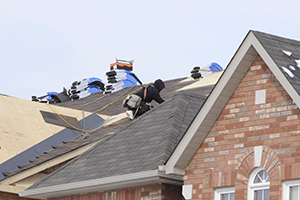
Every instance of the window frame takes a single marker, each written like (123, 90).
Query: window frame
(256, 186)
(220, 191)
(286, 187)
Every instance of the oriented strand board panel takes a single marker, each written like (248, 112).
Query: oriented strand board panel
(22, 125)
(208, 80)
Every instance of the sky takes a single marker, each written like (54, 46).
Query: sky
(46, 45)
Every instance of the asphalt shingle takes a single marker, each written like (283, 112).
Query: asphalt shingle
(275, 46)
(143, 145)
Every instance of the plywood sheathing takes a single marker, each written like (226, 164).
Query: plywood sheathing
(22, 125)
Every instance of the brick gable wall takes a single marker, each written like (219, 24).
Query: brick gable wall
(226, 157)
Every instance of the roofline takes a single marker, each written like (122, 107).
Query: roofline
(216, 101)
(101, 184)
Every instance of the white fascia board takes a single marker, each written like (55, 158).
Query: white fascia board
(101, 184)
(277, 72)
(231, 73)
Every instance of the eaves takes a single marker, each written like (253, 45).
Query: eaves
(101, 184)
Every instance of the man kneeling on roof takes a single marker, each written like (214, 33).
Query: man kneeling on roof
(139, 102)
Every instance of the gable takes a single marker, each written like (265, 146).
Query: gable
(253, 45)
(249, 135)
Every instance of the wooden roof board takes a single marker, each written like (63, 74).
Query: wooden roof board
(91, 122)
(22, 125)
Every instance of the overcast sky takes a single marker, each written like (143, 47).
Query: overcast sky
(45, 45)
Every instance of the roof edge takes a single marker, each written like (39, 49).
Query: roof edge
(101, 184)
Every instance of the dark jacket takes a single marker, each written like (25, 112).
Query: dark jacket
(152, 92)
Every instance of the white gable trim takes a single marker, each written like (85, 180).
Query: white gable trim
(218, 98)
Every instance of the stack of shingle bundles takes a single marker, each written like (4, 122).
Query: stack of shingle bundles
(85, 87)
(44, 98)
(119, 79)
(200, 72)
(195, 74)
(120, 76)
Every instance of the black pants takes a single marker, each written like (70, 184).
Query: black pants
(142, 109)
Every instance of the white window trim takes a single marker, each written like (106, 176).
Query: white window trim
(256, 186)
(285, 188)
(220, 191)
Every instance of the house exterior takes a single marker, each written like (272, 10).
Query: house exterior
(240, 142)
(248, 129)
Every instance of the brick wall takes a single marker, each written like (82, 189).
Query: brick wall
(226, 157)
(10, 196)
(146, 192)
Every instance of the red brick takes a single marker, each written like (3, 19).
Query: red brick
(278, 138)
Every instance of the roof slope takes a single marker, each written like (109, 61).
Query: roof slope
(143, 145)
(96, 101)
(275, 47)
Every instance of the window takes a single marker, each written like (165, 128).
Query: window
(224, 194)
(259, 185)
(291, 190)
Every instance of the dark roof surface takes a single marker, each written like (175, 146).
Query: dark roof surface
(143, 145)
(275, 46)
(93, 103)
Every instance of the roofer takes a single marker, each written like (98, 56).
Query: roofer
(139, 102)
